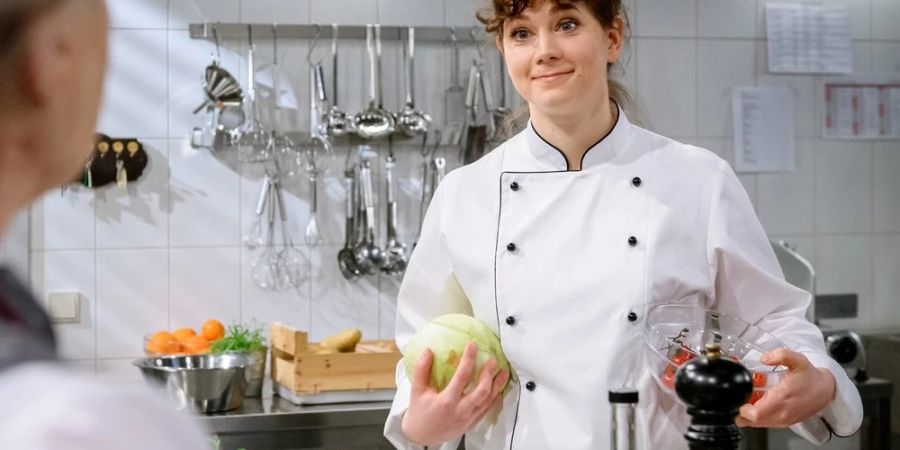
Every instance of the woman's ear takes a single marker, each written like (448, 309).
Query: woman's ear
(41, 59)
(499, 43)
(615, 35)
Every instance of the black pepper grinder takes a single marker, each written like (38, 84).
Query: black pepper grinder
(714, 388)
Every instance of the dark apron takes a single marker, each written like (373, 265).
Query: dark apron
(26, 334)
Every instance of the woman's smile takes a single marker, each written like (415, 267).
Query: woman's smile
(553, 76)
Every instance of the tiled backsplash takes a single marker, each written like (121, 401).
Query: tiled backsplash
(166, 252)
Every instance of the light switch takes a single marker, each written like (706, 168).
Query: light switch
(65, 307)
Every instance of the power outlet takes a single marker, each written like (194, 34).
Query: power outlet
(64, 307)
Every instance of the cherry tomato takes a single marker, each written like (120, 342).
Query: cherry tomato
(755, 396)
(682, 357)
(668, 378)
(759, 379)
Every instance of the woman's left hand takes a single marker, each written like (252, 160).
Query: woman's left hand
(803, 392)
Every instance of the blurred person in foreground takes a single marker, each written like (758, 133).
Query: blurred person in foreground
(53, 57)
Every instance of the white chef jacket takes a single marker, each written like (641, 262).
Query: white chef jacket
(48, 406)
(562, 265)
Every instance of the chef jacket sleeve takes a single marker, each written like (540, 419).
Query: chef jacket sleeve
(429, 289)
(749, 284)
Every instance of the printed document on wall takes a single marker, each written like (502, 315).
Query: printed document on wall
(763, 129)
(809, 38)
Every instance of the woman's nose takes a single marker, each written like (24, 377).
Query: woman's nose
(548, 48)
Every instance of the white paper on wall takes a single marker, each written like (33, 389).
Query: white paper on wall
(809, 38)
(862, 107)
(763, 129)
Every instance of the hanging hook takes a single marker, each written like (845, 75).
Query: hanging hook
(474, 36)
(275, 43)
(312, 46)
(215, 33)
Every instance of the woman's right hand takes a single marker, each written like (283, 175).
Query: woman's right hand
(435, 417)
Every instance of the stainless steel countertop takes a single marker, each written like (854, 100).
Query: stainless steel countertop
(264, 413)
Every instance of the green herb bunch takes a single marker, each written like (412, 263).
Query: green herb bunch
(239, 338)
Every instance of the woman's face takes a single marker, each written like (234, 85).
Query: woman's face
(558, 54)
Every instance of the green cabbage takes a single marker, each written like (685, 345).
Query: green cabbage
(447, 337)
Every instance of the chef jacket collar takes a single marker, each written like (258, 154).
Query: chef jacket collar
(597, 154)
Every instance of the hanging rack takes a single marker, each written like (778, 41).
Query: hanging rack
(209, 30)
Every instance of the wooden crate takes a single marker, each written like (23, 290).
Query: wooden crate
(296, 365)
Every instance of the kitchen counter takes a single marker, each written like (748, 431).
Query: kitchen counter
(273, 423)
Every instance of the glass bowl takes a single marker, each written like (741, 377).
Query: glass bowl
(678, 333)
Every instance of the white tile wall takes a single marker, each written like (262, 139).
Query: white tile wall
(675, 18)
(667, 83)
(132, 299)
(167, 252)
(786, 199)
(843, 187)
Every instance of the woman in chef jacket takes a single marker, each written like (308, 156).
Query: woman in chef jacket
(558, 240)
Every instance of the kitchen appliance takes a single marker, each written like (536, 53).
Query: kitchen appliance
(200, 383)
(797, 271)
(846, 347)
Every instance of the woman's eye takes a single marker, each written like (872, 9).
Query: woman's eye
(520, 34)
(568, 25)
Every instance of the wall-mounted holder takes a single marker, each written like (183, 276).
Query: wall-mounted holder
(461, 35)
(114, 160)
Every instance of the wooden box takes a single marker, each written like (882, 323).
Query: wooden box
(296, 365)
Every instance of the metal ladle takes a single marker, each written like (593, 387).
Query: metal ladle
(336, 121)
(395, 257)
(411, 121)
(374, 121)
(369, 257)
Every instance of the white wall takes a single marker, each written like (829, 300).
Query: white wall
(168, 254)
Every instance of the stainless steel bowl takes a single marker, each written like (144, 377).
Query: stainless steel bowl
(201, 383)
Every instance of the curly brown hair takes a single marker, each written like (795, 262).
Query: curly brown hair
(496, 12)
(494, 15)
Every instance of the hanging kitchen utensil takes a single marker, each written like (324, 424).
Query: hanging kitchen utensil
(290, 265)
(219, 85)
(369, 257)
(254, 237)
(454, 98)
(395, 256)
(411, 121)
(273, 83)
(347, 255)
(312, 227)
(255, 143)
(476, 130)
(374, 122)
(262, 266)
(336, 121)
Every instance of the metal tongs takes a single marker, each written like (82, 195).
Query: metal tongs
(481, 125)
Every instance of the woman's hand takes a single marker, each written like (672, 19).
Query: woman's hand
(803, 392)
(434, 417)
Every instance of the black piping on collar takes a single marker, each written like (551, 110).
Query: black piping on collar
(568, 169)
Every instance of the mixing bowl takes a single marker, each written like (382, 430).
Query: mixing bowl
(200, 383)
(677, 333)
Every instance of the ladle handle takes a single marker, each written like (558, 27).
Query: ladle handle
(410, 68)
(334, 64)
(368, 198)
(370, 48)
(377, 79)
(263, 196)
